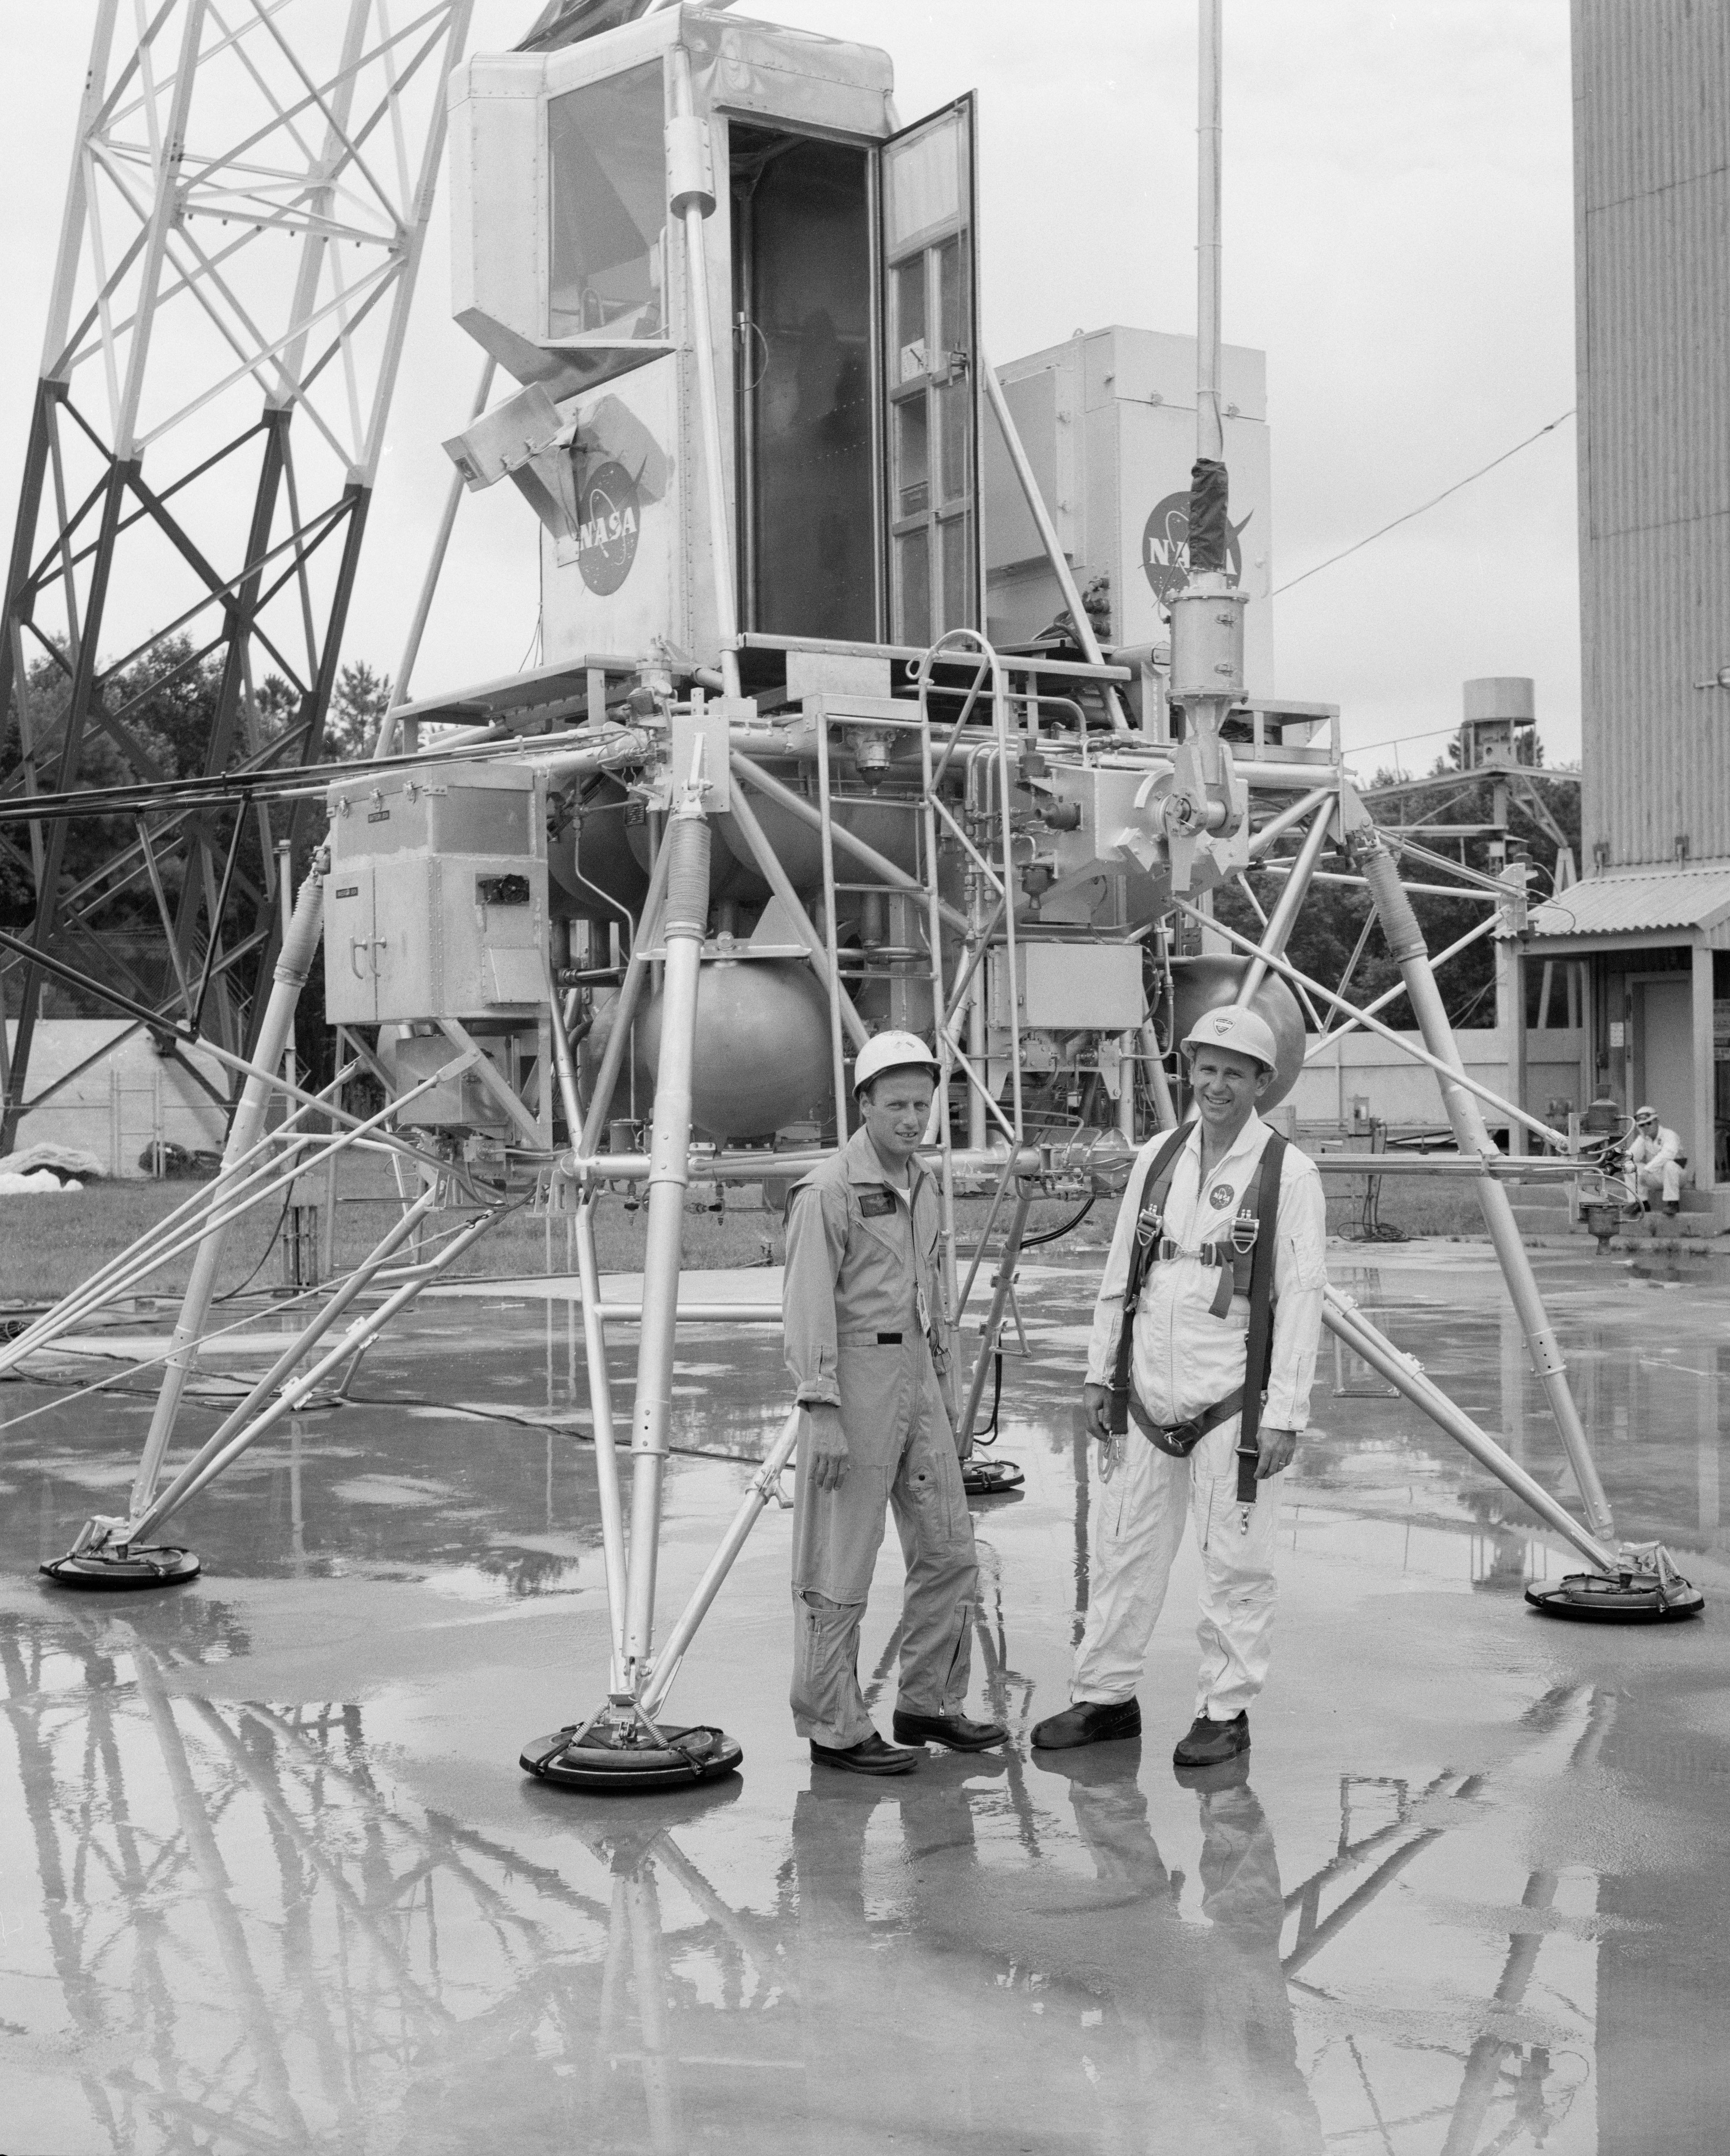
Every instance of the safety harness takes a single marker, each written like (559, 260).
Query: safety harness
(1244, 1258)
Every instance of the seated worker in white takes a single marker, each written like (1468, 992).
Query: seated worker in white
(1217, 1269)
(862, 1311)
(1654, 1160)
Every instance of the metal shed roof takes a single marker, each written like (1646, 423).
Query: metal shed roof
(1632, 903)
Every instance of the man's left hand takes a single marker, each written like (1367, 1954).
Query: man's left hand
(1278, 1449)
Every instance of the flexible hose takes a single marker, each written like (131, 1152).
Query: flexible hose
(687, 903)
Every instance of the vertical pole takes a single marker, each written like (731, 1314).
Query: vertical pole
(1209, 432)
(1701, 1153)
(831, 929)
(1410, 952)
(600, 1409)
(976, 1044)
(693, 205)
(594, 1334)
(1002, 1285)
(298, 947)
(1165, 1107)
(1511, 996)
(684, 917)
(1126, 1043)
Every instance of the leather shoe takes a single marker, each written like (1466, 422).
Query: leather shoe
(1089, 1722)
(1210, 1743)
(953, 1730)
(870, 1756)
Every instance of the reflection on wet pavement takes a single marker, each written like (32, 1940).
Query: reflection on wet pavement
(269, 1878)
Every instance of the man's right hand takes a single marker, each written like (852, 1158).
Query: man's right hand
(1097, 1410)
(826, 1445)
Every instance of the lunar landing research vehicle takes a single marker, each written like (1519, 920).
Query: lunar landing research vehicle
(773, 788)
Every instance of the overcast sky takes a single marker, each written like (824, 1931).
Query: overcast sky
(1399, 240)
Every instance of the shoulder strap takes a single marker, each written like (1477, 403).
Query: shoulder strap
(1259, 1348)
(1154, 1192)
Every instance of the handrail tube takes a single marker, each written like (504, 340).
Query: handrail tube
(170, 1500)
(355, 1337)
(300, 946)
(758, 1492)
(686, 843)
(1349, 1324)
(756, 639)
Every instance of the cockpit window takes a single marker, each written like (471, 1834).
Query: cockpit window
(608, 210)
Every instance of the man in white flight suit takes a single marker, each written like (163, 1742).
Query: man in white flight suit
(1654, 1160)
(1192, 1335)
(862, 1313)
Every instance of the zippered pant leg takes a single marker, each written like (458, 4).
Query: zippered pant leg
(931, 1515)
(1239, 1590)
(1138, 1531)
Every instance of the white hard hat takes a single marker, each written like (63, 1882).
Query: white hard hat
(1241, 1030)
(1640, 1114)
(891, 1051)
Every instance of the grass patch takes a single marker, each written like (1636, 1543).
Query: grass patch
(48, 1246)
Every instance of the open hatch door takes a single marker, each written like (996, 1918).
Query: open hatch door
(928, 207)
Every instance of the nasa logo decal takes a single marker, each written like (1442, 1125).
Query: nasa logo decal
(610, 517)
(1165, 548)
(1220, 1196)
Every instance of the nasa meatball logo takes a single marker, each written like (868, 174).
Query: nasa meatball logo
(1220, 1196)
(610, 517)
(1165, 548)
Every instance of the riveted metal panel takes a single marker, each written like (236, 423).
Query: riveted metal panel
(1652, 273)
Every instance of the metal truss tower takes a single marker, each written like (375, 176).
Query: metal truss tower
(247, 210)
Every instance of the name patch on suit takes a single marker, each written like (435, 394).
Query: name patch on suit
(875, 1204)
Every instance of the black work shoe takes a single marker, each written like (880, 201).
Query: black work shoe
(1208, 1743)
(870, 1756)
(953, 1730)
(1089, 1722)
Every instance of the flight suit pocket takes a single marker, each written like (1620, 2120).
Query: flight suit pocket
(874, 1401)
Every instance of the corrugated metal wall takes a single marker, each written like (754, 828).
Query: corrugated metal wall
(1652, 278)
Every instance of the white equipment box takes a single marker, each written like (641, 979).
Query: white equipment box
(1072, 987)
(436, 904)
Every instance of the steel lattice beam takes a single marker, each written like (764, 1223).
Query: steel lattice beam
(248, 204)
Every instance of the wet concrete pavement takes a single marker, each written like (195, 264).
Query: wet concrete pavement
(270, 1879)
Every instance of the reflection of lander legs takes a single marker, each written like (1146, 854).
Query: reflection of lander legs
(284, 1951)
(1514, 2084)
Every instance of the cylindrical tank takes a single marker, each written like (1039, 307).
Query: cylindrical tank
(762, 1049)
(592, 862)
(1203, 984)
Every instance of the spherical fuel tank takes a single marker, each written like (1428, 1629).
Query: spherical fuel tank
(591, 862)
(762, 1048)
(1203, 984)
